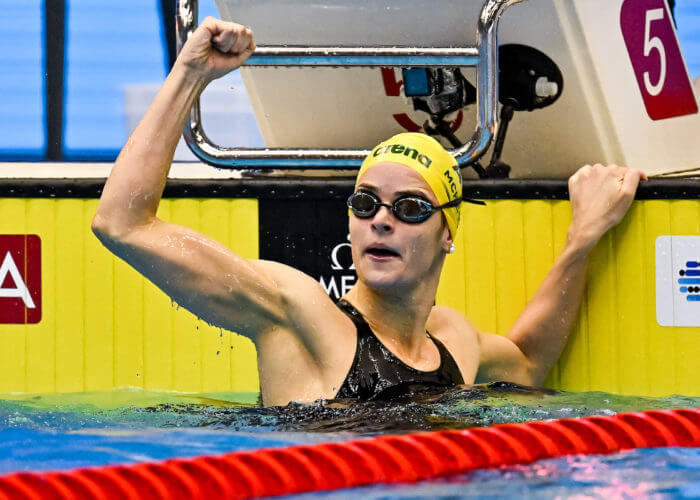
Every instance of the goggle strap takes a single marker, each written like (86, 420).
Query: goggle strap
(474, 202)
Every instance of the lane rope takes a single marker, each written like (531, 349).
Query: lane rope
(384, 459)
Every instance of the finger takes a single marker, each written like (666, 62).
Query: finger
(583, 171)
(238, 59)
(217, 31)
(224, 41)
(251, 45)
(574, 177)
(618, 170)
(243, 56)
(242, 41)
(620, 176)
(631, 181)
(214, 26)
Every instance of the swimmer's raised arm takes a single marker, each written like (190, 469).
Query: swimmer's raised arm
(135, 185)
(200, 274)
(600, 197)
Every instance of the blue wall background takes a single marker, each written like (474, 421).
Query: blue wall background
(688, 23)
(111, 44)
(21, 79)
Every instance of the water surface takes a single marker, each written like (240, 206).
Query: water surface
(53, 432)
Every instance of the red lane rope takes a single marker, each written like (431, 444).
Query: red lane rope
(327, 466)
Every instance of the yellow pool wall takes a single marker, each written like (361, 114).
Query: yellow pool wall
(104, 326)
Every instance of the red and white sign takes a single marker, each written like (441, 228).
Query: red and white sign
(20, 279)
(655, 53)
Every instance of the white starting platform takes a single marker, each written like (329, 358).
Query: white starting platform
(626, 97)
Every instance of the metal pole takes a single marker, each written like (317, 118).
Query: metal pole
(54, 27)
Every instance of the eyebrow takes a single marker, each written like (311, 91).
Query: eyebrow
(411, 192)
(397, 194)
(368, 187)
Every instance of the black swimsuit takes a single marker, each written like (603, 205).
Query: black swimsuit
(376, 373)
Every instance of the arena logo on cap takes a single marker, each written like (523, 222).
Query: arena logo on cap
(20, 279)
(398, 149)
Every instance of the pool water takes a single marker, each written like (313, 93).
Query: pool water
(57, 432)
(649, 473)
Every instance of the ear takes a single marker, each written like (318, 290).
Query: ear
(446, 240)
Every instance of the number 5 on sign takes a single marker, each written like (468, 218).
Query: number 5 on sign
(656, 59)
(654, 43)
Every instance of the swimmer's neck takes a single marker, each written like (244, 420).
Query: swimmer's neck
(400, 317)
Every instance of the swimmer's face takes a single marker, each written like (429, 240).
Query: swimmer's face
(391, 254)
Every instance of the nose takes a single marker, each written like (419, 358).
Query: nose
(383, 220)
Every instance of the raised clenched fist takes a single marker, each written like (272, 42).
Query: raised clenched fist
(215, 48)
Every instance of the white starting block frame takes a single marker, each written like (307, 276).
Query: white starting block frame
(484, 57)
(607, 112)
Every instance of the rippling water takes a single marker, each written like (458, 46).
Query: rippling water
(134, 409)
(131, 425)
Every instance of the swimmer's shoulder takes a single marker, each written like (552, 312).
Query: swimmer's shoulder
(460, 337)
(450, 321)
(284, 275)
(309, 308)
(297, 288)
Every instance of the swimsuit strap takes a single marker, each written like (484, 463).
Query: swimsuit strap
(365, 330)
(442, 350)
(375, 368)
(352, 313)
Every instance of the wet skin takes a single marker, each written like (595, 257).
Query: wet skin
(397, 263)
(305, 344)
(420, 248)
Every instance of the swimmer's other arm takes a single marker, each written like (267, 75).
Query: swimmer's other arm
(197, 272)
(600, 197)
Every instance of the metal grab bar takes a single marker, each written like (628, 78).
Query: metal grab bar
(484, 57)
(361, 56)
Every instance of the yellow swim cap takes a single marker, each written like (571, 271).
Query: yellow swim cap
(426, 156)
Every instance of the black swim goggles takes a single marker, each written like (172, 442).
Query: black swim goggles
(411, 209)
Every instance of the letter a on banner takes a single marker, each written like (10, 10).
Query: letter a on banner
(20, 290)
(20, 279)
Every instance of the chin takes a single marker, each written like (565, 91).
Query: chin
(383, 280)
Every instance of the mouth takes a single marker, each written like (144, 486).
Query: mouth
(381, 252)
